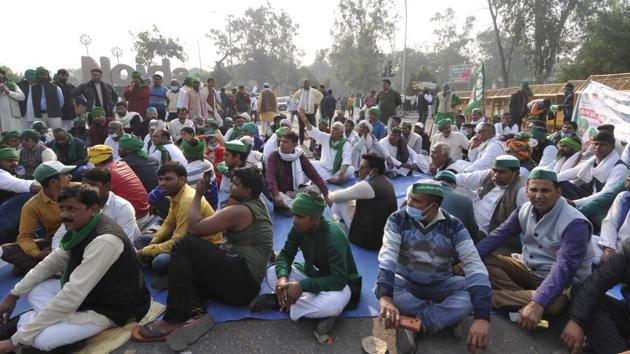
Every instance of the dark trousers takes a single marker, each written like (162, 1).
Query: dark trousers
(200, 269)
(603, 331)
(13, 253)
(311, 119)
(422, 117)
(572, 191)
(10, 212)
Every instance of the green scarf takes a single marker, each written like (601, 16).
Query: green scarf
(339, 154)
(237, 133)
(72, 238)
(10, 85)
(166, 156)
(72, 149)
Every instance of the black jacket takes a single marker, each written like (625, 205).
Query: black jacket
(587, 295)
(88, 90)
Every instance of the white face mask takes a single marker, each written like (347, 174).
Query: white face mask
(113, 135)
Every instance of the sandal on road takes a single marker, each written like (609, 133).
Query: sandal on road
(148, 333)
(190, 332)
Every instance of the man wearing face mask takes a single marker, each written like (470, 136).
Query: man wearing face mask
(365, 206)
(412, 281)
(115, 132)
(171, 95)
(500, 191)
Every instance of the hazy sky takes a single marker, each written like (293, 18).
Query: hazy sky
(55, 42)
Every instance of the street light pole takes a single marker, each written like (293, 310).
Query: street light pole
(230, 38)
(404, 54)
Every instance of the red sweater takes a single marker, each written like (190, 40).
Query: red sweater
(126, 184)
(138, 98)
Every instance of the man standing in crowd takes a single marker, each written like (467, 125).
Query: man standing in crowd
(267, 108)
(518, 103)
(97, 93)
(42, 209)
(137, 93)
(214, 100)
(101, 283)
(364, 207)
(68, 111)
(556, 252)
(172, 95)
(307, 99)
(158, 97)
(387, 100)
(444, 105)
(45, 100)
(25, 86)
(196, 99)
(11, 96)
(424, 102)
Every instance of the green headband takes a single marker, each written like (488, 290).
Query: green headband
(8, 153)
(130, 142)
(571, 143)
(306, 205)
(97, 111)
(541, 173)
(435, 190)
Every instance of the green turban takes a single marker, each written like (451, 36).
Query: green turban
(136, 75)
(446, 175)
(30, 74)
(211, 121)
(8, 153)
(41, 70)
(9, 134)
(406, 124)
(31, 134)
(572, 143)
(132, 143)
(38, 125)
(308, 205)
(188, 80)
(282, 130)
(543, 173)
(375, 111)
(250, 127)
(236, 146)
(97, 111)
(196, 79)
(538, 132)
(192, 150)
(444, 123)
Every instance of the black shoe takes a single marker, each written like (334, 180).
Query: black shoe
(160, 283)
(264, 303)
(325, 325)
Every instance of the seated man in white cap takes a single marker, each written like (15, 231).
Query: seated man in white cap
(236, 132)
(484, 148)
(420, 244)
(236, 155)
(418, 128)
(328, 280)
(335, 165)
(499, 191)
(401, 159)
(115, 132)
(413, 140)
(455, 140)
(154, 124)
(165, 150)
(365, 143)
(556, 252)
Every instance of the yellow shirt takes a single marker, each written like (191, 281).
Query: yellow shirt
(39, 210)
(176, 223)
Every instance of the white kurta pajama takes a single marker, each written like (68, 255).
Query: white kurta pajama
(364, 145)
(325, 165)
(417, 160)
(345, 200)
(10, 115)
(483, 156)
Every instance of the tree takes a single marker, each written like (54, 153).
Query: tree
(152, 44)
(262, 42)
(221, 75)
(355, 54)
(11, 75)
(606, 51)
(505, 44)
(452, 46)
(514, 64)
(543, 28)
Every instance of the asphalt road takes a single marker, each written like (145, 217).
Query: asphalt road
(255, 336)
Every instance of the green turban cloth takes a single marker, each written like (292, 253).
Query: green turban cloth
(444, 123)
(543, 173)
(10, 133)
(538, 132)
(8, 153)
(572, 143)
(282, 130)
(250, 127)
(30, 74)
(132, 143)
(31, 134)
(375, 111)
(192, 150)
(136, 75)
(236, 146)
(97, 111)
(307, 205)
(506, 161)
(41, 70)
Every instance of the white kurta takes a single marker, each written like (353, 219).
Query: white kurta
(10, 115)
(456, 141)
(484, 155)
(484, 208)
(325, 165)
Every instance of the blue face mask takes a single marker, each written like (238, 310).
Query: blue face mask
(564, 135)
(415, 213)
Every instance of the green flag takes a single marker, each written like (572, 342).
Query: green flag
(478, 92)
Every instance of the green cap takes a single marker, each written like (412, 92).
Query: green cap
(38, 125)
(572, 143)
(308, 205)
(375, 111)
(428, 187)
(543, 173)
(97, 111)
(31, 134)
(282, 130)
(50, 169)
(211, 121)
(447, 175)
(538, 132)
(506, 161)
(406, 124)
(236, 146)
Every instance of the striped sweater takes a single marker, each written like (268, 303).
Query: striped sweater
(424, 255)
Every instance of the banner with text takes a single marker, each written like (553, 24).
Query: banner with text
(460, 74)
(599, 104)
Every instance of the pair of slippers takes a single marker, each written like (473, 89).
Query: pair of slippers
(181, 338)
